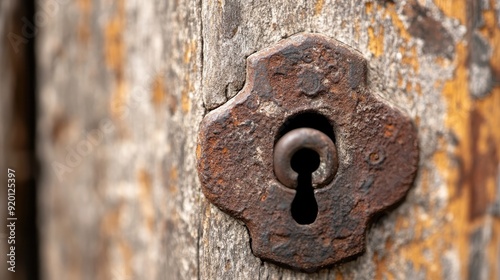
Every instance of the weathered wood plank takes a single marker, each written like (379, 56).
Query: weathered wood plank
(124, 85)
(417, 57)
(118, 83)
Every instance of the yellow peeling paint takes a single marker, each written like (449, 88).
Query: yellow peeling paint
(189, 51)
(190, 60)
(145, 199)
(369, 7)
(453, 9)
(185, 102)
(173, 178)
(114, 46)
(84, 24)
(456, 167)
(318, 7)
(376, 41)
(392, 13)
(114, 51)
(456, 95)
(410, 58)
(158, 91)
(461, 112)
(118, 100)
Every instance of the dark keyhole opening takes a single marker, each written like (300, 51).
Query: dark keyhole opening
(304, 205)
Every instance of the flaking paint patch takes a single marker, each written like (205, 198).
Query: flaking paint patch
(376, 40)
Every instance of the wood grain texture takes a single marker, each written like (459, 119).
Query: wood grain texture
(118, 83)
(123, 86)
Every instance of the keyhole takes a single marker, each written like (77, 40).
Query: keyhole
(304, 205)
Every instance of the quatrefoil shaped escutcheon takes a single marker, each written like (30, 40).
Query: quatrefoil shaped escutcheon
(306, 77)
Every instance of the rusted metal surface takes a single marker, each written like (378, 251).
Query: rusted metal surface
(305, 138)
(376, 148)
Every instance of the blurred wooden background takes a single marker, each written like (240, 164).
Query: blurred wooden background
(100, 106)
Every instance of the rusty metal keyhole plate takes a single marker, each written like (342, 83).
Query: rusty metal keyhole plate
(376, 147)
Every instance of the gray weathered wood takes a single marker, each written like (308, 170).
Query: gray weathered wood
(123, 86)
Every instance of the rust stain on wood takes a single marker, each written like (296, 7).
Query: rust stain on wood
(318, 7)
(114, 48)
(465, 177)
(375, 31)
(110, 224)
(173, 179)
(369, 7)
(185, 101)
(423, 250)
(472, 168)
(158, 91)
(376, 40)
(455, 93)
(410, 58)
(161, 96)
(84, 26)
(453, 9)
(145, 198)
(127, 253)
(189, 51)
(190, 59)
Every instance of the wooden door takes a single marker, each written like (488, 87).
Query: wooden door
(123, 85)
